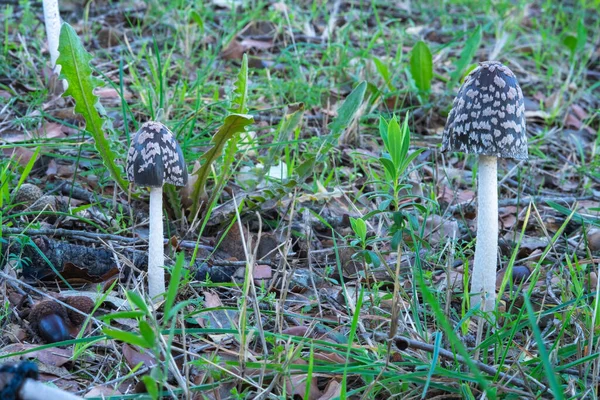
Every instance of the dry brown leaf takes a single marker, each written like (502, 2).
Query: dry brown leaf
(55, 357)
(452, 279)
(101, 391)
(296, 385)
(262, 272)
(233, 51)
(134, 357)
(251, 44)
(21, 155)
(438, 229)
(51, 130)
(332, 391)
(295, 331)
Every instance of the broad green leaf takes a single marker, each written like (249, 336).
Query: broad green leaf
(306, 167)
(240, 93)
(383, 129)
(151, 386)
(405, 137)
(348, 110)
(384, 72)
(466, 56)
(395, 140)
(75, 68)
(287, 126)
(421, 66)
(581, 35)
(122, 314)
(174, 284)
(234, 124)
(137, 300)
(360, 228)
(147, 333)
(389, 167)
(127, 337)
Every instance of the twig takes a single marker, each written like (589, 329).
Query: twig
(522, 202)
(415, 344)
(67, 189)
(188, 244)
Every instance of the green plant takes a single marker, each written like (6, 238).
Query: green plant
(465, 58)
(148, 336)
(76, 70)
(421, 67)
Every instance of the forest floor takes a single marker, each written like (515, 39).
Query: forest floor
(297, 265)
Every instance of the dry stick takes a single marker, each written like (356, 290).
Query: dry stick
(188, 244)
(68, 189)
(17, 282)
(415, 344)
(523, 201)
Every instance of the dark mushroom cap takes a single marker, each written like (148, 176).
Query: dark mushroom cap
(49, 320)
(488, 115)
(155, 157)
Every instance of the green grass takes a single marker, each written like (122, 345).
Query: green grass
(168, 59)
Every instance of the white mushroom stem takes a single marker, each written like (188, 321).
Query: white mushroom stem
(52, 21)
(483, 282)
(156, 251)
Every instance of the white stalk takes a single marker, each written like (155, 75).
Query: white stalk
(35, 390)
(156, 251)
(52, 22)
(483, 282)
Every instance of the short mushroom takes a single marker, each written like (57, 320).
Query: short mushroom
(155, 158)
(50, 321)
(488, 119)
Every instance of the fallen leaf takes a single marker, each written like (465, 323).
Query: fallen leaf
(333, 390)
(296, 385)
(133, 357)
(101, 391)
(21, 155)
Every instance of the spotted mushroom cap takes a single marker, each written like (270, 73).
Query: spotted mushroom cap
(488, 115)
(155, 157)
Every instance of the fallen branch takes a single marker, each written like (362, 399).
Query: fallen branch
(521, 202)
(404, 343)
(188, 244)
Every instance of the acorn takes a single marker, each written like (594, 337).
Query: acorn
(50, 321)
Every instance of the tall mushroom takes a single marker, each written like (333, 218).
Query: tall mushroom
(155, 158)
(488, 119)
(52, 22)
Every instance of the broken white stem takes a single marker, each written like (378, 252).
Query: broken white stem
(52, 22)
(35, 390)
(156, 251)
(483, 282)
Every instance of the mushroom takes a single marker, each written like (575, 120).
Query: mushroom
(488, 119)
(50, 321)
(155, 158)
(55, 323)
(52, 22)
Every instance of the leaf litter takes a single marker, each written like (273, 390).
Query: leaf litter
(308, 267)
